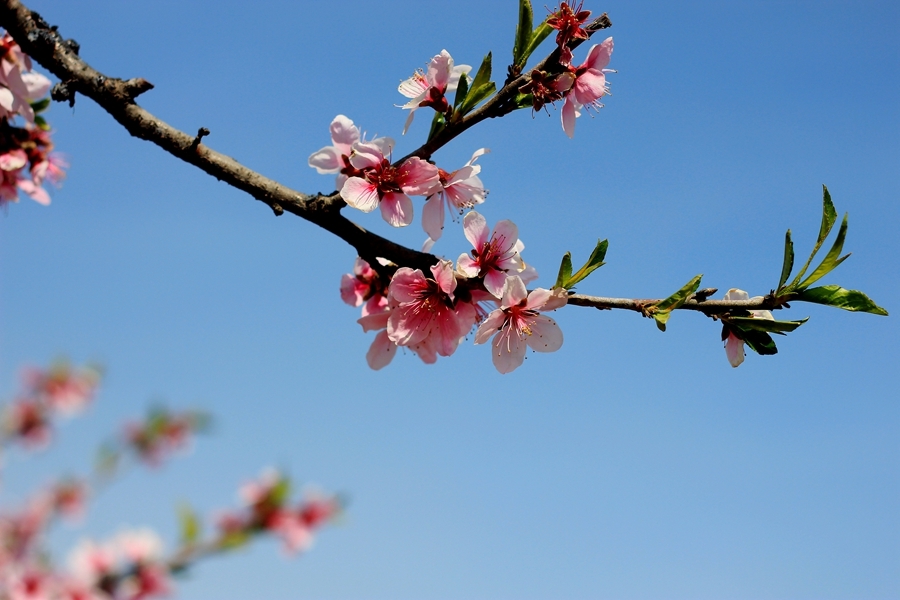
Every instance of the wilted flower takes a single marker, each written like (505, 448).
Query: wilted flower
(734, 346)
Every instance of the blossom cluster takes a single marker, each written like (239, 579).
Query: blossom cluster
(61, 389)
(267, 509)
(27, 159)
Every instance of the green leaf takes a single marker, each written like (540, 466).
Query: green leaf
(835, 295)
(437, 125)
(234, 539)
(539, 34)
(565, 271)
(281, 491)
(41, 122)
(461, 91)
(759, 341)
(788, 264)
(483, 76)
(831, 260)
(523, 32)
(767, 325)
(476, 95)
(189, 524)
(524, 100)
(40, 105)
(594, 262)
(828, 218)
(661, 310)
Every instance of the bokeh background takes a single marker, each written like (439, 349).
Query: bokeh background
(631, 463)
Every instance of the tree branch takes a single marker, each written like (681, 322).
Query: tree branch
(44, 44)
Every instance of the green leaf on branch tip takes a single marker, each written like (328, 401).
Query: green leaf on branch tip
(788, 264)
(661, 310)
(565, 271)
(829, 216)
(234, 539)
(41, 122)
(189, 524)
(567, 280)
(461, 91)
(767, 325)
(40, 105)
(831, 260)
(523, 32)
(281, 491)
(835, 295)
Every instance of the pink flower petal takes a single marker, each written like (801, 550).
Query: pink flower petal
(508, 351)
(360, 194)
(568, 114)
(381, 352)
(418, 177)
(734, 350)
(490, 326)
(476, 229)
(433, 217)
(396, 209)
(546, 335)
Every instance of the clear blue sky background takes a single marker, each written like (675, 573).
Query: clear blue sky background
(630, 464)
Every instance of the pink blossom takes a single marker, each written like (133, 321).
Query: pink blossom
(734, 346)
(28, 421)
(18, 86)
(336, 158)
(494, 256)
(460, 190)
(382, 350)
(380, 183)
(429, 88)
(568, 20)
(61, 387)
(293, 532)
(68, 498)
(363, 286)
(89, 562)
(426, 317)
(517, 324)
(585, 85)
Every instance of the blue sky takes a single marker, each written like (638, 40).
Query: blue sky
(631, 463)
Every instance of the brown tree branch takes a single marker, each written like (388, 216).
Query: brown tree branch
(44, 44)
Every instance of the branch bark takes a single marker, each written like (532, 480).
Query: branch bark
(117, 96)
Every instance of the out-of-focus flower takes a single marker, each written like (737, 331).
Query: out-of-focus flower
(429, 88)
(363, 286)
(517, 324)
(28, 421)
(460, 190)
(61, 387)
(18, 86)
(162, 433)
(568, 21)
(68, 498)
(734, 346)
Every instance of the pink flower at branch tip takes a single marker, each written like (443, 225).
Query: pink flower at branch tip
(495, 256)
(429, 88)
(460, 190)
(19, 87)
(517, 325)
(585, 85)
(734, 346)
(380, 183)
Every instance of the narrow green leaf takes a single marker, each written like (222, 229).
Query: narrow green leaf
(539, 34)
(829, 215)
(661, 310)
(41, 122)
(189, 524)
(680, 297)
(476, 95)
(523, 32)
(788, 264)
(282, 491)
(40, 105)
(565, 271)
(767, 325)
(461, 91)
(234, 539)
(831, 260)
(524, 100)
(483, 76)
(835, 295)
(594, 262)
